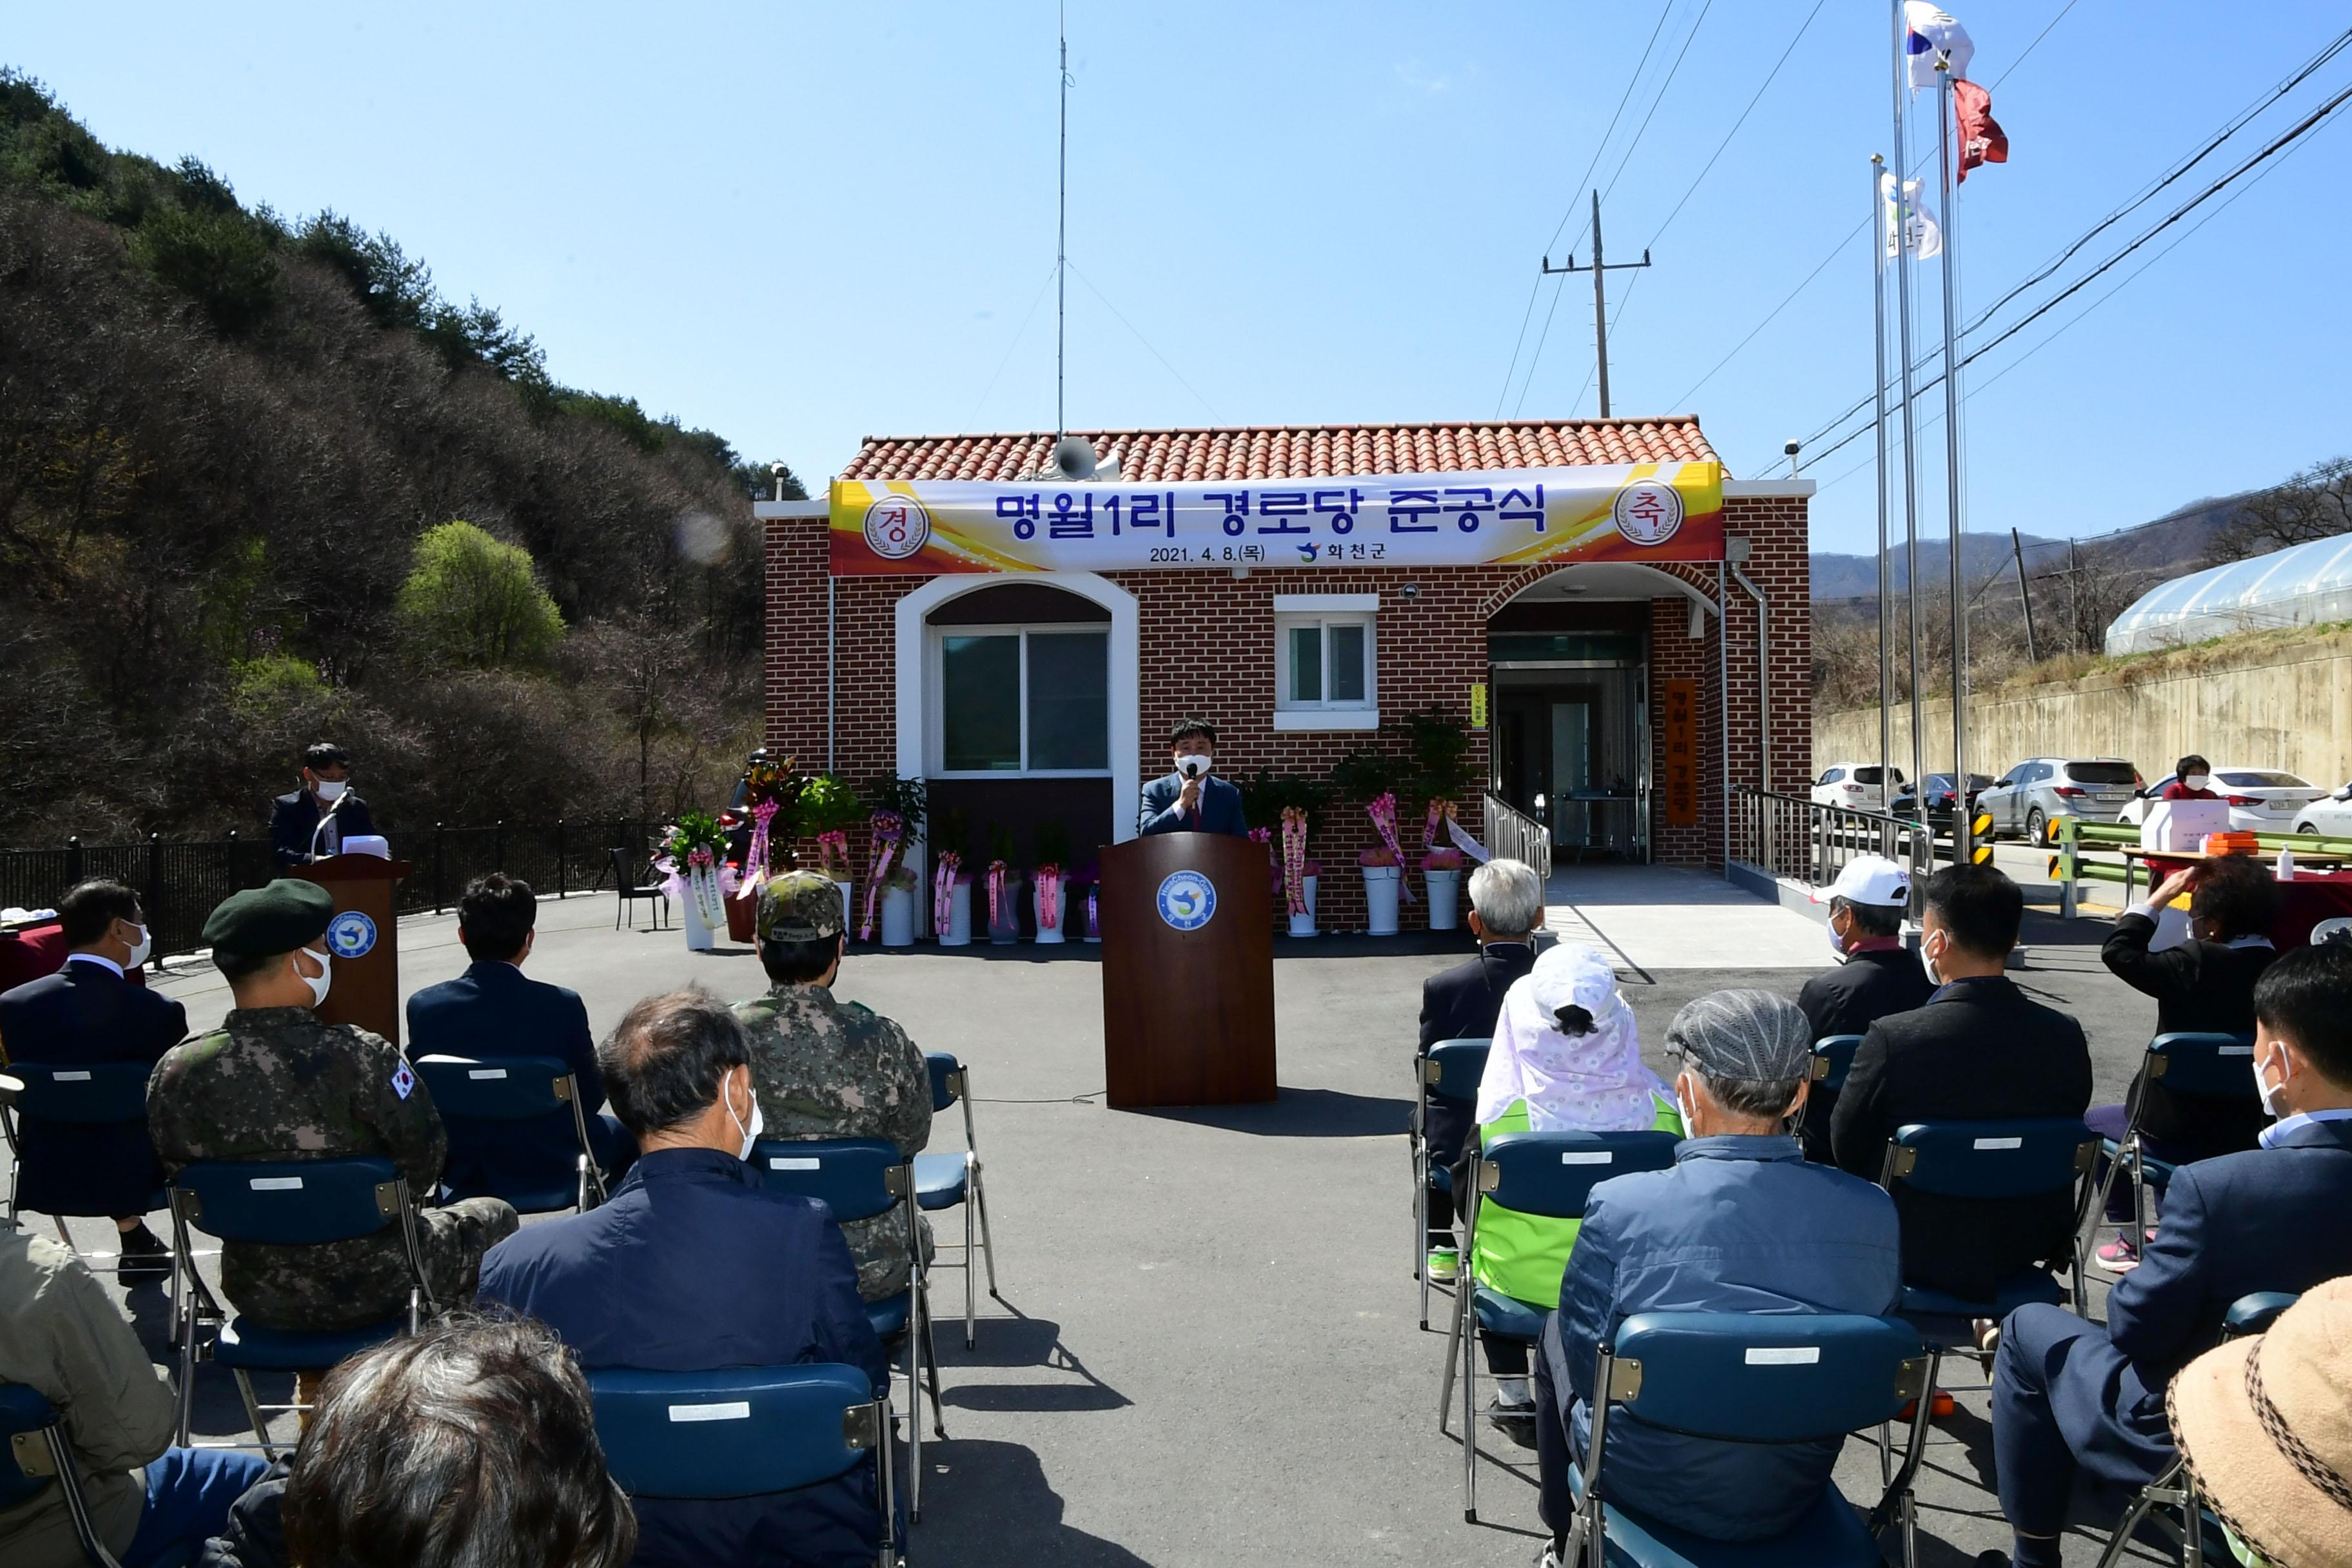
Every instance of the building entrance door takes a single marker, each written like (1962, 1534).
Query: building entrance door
(1572, 743)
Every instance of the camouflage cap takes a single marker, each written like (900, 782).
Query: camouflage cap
(276, 918)
(799, 906)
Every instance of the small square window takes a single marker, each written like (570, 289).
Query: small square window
(1324, 665)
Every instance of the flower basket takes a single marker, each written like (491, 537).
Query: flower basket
(1302, 914)
(1003, 887)
(1049, 898)
(898, 908)
(951, 901)
(1383, 880)
(693, 849)
(1441, 872)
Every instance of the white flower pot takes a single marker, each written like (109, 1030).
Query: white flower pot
(959, 932)
(699, 886)
(1059, 930)
(848, 909)
(1444, 899)
(898, 917)
(1303, 924)
(1089, 914)
(1381, 886)
(1005, 928)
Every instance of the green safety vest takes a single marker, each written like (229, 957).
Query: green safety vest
(1524, 1255)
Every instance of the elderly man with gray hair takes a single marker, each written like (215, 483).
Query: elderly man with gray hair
(1741, 1223)
(1506, 908)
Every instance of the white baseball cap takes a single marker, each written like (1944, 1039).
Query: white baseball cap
(1872, 880)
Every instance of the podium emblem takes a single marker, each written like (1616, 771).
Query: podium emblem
(1187, 899)
(351, 935)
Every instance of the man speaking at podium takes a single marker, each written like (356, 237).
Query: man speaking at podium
(312, 823)
(1189, 800)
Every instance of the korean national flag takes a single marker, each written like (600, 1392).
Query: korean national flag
(1932, 33)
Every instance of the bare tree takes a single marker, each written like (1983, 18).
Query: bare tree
(2314, 504)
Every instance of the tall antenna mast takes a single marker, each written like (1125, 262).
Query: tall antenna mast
(1062, 234)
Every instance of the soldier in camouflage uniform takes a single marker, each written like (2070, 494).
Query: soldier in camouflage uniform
(826, 1069)
(274, 1083)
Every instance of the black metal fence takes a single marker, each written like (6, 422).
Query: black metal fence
(180, 880)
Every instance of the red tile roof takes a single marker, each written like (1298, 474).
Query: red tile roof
(1293, 451)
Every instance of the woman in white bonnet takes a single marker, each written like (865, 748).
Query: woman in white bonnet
(1567, 1057)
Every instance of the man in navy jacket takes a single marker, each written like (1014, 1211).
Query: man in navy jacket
(294, 831)
(694, 1266)
(89, 1012)
(493, 1010)
(1190, 799)
(2069, 1394)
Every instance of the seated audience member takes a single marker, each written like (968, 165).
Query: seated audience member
(88, 1012)
(826, 1069)
(1742, 1223)
(1979, 1050)
(1566, 1058)
(2068, 1394)
(273, 1083)
(471, 1443)
(1506, 908)
(495, 1010)
(2192, 779)
(2250, 1416)
(61, 1336)
(694, 1266)
(1874, 975)
(2205, 986)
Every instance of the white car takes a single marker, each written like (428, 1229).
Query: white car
(2262, 800)
(1854, 786)
(2330, 815)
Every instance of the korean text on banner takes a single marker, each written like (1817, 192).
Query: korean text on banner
(1627, 511)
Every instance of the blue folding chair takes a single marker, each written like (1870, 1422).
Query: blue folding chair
(1743, 1377)
(511, 1089)
(859, 1178)
(96, 1094)
(2220, 1066)
(2176, 1489)
(1833, 1059)
(286, 1202)
(745, 1432)
(36, 1457)
(1545, 1173)
(1450, 1068)
(943, 1181)
(2027, 1157)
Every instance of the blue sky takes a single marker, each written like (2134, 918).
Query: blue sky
(801, 225)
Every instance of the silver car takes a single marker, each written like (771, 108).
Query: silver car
(2030, 797)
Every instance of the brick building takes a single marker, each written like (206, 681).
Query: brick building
(1028, 696)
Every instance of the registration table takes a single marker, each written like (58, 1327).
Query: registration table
(2307, 899)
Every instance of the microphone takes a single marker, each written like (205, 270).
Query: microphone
(327, 817)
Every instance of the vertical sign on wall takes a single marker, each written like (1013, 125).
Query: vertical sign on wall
(1477, 705)
(1682, 754)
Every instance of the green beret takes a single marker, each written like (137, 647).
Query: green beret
(799, 906)
(287, 914)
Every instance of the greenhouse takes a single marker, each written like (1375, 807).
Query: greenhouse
(2305, 585)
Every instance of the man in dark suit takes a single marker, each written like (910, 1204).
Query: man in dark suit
(1875, 975)
(86, 1012)
(294, 820)
(493, 1010)
(1189, 800)
(2068, 1394)
(1461, 1004)
(1979, 1050)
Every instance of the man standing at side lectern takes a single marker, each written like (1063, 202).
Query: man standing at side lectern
(1189, 800)
(295, 820)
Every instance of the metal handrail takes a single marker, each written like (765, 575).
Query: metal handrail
(1795, 836)
(1515, 836)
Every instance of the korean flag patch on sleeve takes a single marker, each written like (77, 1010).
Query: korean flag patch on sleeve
(403, 1080)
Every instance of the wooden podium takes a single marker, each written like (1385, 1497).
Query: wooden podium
(1188, 971)
(364, 940)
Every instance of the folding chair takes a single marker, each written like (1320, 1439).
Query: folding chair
(745, 1432)
(1450, 1068)
(511, 1089)
(2024, 1158)
(1545, 1173)
(1743, 1377)
(2176, 1489)
(859, 1178)
(38, 1456)
(628, 892)
(98, 1094)
(947, 1180)
(289, 1203)
(2220, 1066)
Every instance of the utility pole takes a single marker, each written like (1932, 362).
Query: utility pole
(1599, 298)
(2024, 598)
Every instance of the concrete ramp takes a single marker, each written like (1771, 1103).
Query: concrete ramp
(1666, 917)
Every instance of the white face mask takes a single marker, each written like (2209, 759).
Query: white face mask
(1682, 1110)
(2199, 781)
(330, 788)
(1929, 963)
(1837, 944)
(319, 981)
(752, 1133)
(139, 949)
(1193, 764)
(2269, 1090)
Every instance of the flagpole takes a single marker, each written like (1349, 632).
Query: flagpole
(1910, 455)
(1878, 395)
(1961, 826)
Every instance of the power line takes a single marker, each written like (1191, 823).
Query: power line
(1035, 301)
(1139, 338)
(1736, 124)
(2030, 47)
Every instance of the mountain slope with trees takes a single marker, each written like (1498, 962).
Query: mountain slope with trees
(260, 483)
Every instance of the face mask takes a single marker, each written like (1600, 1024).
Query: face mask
(2270, 1091)
(1929, 963)
(319, 981)
(330, 788)
(1193, 764)
(2199, 781)
(1683, 1108)
(752, 1133)
(1837, 945)
(139, 949)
